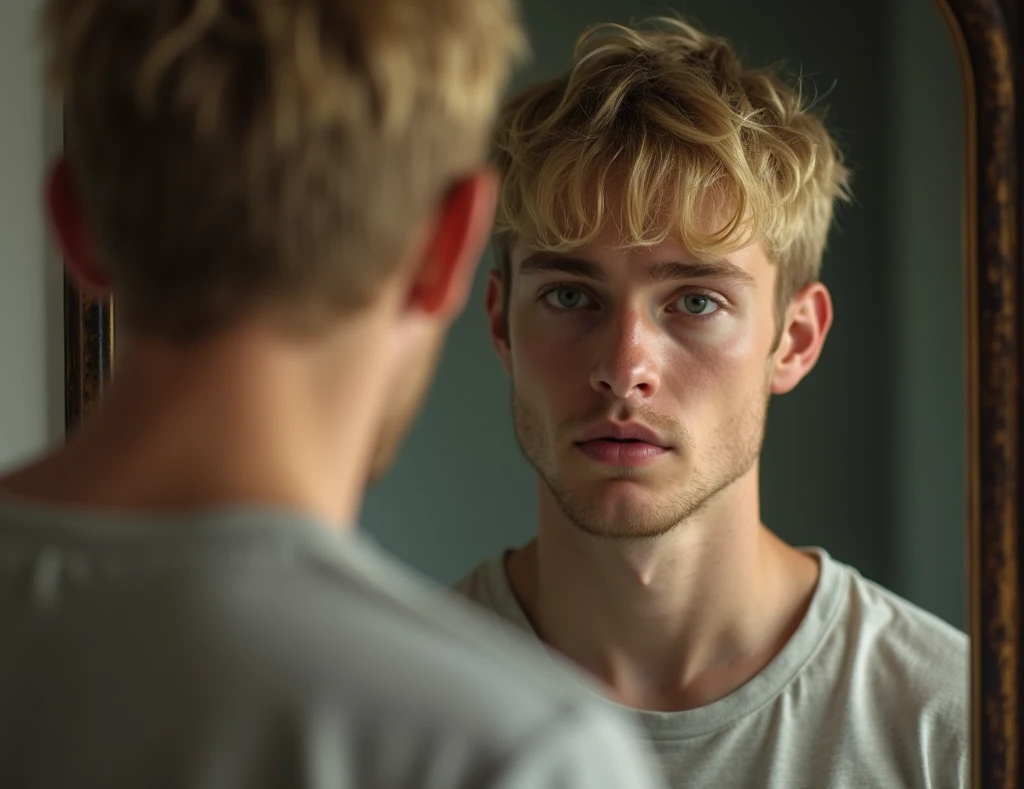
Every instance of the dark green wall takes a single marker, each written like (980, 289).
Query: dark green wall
(864, 458)
(929, 539)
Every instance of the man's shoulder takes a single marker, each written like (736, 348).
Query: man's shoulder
(476, 585)
(417, 642)
(905, 629)
(277, 609)
(290, 645)
(487, 589)
(905, 654)
(403, 654)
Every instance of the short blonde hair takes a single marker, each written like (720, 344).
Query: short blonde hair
(242, 155)
(663, 121)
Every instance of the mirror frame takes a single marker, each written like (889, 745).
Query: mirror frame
(986, 35)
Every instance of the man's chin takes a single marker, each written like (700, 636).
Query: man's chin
(628, 526)
(617, 509)
(645, 479)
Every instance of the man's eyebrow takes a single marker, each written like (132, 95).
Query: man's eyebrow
(720, 268)
(542, 262)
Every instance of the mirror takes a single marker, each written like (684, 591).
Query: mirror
(852, 460)
(900, 452)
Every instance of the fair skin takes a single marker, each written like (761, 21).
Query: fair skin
(651, 568)
(255, 415)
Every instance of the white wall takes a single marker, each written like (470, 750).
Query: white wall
(31, 372)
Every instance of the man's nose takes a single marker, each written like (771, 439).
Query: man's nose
(626, 366)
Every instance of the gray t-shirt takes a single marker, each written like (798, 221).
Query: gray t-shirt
(255, 649)
(870, 691)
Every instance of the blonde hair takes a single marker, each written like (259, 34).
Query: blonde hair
(242, 155)
(663, 120)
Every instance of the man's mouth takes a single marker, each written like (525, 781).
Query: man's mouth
(623, 433)
(622, 452)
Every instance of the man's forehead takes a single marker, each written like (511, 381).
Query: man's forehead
(667, 260)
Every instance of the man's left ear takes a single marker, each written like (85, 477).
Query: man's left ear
(807, 321)
(456, 241)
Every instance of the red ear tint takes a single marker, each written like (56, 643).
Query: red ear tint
(457, 239)
(68, 224)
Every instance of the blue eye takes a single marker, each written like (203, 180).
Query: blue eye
(698, 304)
(565, 297)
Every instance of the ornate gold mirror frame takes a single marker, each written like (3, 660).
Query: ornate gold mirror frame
(987, 36)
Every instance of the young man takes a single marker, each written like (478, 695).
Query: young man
(660, 234)
(288, 200)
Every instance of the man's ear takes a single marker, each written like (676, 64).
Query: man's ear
(497, 319)
(806, 326)
(71, 230)
(455, 243)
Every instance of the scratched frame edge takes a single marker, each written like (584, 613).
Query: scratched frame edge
(88, 352)
(992, 288)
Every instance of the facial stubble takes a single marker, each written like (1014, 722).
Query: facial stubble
(731, 451)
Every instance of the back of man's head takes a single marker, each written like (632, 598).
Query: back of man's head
(271, 155)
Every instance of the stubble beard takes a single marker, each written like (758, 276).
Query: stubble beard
(734, 449)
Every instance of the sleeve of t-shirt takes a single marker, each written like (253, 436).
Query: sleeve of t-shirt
(582, 750)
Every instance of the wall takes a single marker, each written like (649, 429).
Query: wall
(864, 458)
(31, 403)
(928, 366)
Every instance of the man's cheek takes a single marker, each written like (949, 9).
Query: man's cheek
(541, 356)
(695, 388)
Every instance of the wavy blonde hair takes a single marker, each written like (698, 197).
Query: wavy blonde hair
(664, 124)
(236, 155)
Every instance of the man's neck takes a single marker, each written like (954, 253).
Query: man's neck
(669, 623)
(246, 419)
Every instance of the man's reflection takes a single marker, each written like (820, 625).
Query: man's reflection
(660, 236)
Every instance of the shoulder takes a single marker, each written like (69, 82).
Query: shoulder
(368, 637)
(483, 584)
(904, 638)
(424, 684)
(908, 674)
(308, 656)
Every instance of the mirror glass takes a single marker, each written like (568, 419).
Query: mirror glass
(866, 457)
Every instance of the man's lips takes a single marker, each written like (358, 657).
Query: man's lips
(621, 453)
(622, 444)
(623, 432)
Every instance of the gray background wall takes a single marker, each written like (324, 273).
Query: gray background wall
(31, 383)
(865, 457)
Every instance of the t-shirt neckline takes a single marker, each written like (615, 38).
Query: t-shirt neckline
(758, 692)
